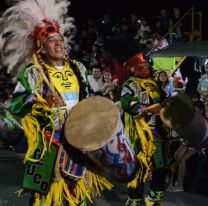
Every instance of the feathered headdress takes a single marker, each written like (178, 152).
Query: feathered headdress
(25, 26)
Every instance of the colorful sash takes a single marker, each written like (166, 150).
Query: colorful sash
(38, 174)
(71, 166)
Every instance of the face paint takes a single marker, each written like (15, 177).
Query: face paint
(142, 70)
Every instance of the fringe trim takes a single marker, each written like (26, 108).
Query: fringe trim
(145, 137)
(32, 128)
(88, 188)
(142, 173)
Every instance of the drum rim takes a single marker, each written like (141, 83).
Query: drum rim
(96, 146)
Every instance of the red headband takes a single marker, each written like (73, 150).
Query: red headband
(135, 60)
(41, 33)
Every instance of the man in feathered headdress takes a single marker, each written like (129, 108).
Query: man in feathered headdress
(140, 99)
(48, 88)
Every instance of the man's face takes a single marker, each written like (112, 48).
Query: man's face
(54, 47)
(96, 73)
(141, 70)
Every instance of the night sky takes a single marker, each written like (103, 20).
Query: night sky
(82, 9)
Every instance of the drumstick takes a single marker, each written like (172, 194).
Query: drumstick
(50, 86)
(57, 171)
(60, 150)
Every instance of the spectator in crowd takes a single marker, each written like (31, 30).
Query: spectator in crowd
(109, 88)
(203, 88)
(158, 28)
(184, 153)
(85, 56)
(133, 24)
(146, 37)
(124, 33)
(148, 47)
(159, 42)
(175, 19)
(105, 26)
(165, 20)
(94, 53)
(165, 82)
(179, 83)
(95, 80)
(143, 27)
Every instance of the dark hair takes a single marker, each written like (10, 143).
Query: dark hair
(149, 42)
(98, 66)
(159, 82)
(195, 94)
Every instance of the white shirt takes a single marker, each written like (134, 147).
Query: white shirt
(203, 83)
(95, 85)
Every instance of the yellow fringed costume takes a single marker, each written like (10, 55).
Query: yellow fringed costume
(89, 186)
(136, 126)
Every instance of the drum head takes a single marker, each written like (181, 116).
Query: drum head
(92, 123)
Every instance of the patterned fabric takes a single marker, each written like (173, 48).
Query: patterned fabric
(138, 94)
(133, 202)
(36, 178)
(117, 156)
(155, 195)
(71, 166)
(66, 83)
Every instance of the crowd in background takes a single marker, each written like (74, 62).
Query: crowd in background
(106, 43)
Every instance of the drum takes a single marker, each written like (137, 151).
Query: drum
(10, 128)
(179, 113)
(94, 126)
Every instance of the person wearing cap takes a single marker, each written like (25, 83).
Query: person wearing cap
(49, 85)
(140, 99)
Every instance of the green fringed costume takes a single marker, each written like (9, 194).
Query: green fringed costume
(145, 132)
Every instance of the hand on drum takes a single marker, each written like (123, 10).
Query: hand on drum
(54, 100)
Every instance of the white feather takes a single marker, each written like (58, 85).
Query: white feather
(20, 20)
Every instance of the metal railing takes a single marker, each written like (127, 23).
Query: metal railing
(191, 34)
